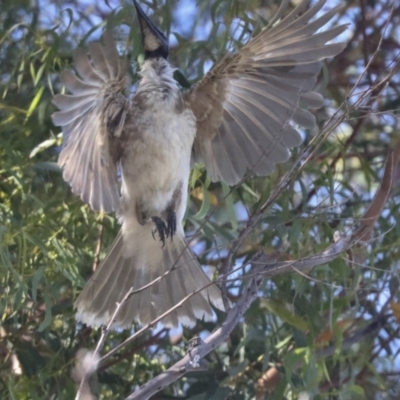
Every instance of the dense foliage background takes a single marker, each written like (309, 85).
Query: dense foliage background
(330, 333)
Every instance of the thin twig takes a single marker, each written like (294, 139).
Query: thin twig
(234, 315)
(104, 333)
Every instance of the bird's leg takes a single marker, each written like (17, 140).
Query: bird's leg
(171, 223)
(161, 228)
(165, 230)
(140, 215)
(170, 211)
(167, 225)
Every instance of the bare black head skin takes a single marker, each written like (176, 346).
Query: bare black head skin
(155, 42)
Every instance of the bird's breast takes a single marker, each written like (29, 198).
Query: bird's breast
(156, 156)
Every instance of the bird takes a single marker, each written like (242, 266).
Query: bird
(133, 156)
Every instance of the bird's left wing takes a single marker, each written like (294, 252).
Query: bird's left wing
(92, 119)
(245, 104)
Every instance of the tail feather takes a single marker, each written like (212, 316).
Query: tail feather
(111, 276)
(146, 311)
(133, 303)
(199, 304)
(166, 287)
(145, 262)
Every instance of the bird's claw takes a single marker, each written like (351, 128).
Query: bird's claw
(171, 224)
(163, 229)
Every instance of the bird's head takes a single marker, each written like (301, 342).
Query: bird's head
(155, 42)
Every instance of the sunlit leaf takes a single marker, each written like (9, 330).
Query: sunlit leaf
(43, 146)
(35, 102)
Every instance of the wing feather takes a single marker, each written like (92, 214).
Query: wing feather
(254, 111)
(76, 85)
(246, 104)
(111, 53)
(85, 70)
(86, 117)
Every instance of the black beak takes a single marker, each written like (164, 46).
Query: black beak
(154, 41)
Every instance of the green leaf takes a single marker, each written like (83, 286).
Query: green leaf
(295, 231)
(237, 369)
(11, 388)
(304, 194)
(43, 146)
(34, 103)
(20, 73)
(37, 276)
(195, 175)
(39, 74)
(48, 314)
(12, 108)
(293, 360)
(279, 308)
(229, 205)
(47, 166)
(205, 206)
(249, 190)
(358, 390)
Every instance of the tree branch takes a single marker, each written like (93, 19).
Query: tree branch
(250, 293)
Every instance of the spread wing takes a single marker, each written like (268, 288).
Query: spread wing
(244, 105)
(92, 119)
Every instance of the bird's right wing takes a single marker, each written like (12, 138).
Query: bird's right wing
(92, 119)
(244, 106)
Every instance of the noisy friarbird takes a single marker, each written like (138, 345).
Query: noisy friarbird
(239, 119)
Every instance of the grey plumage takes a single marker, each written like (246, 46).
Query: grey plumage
(244, 105)
(237, 119)
(86, 158)
(94, 304)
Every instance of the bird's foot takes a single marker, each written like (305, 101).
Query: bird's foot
(171, 224)
(163, 229)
